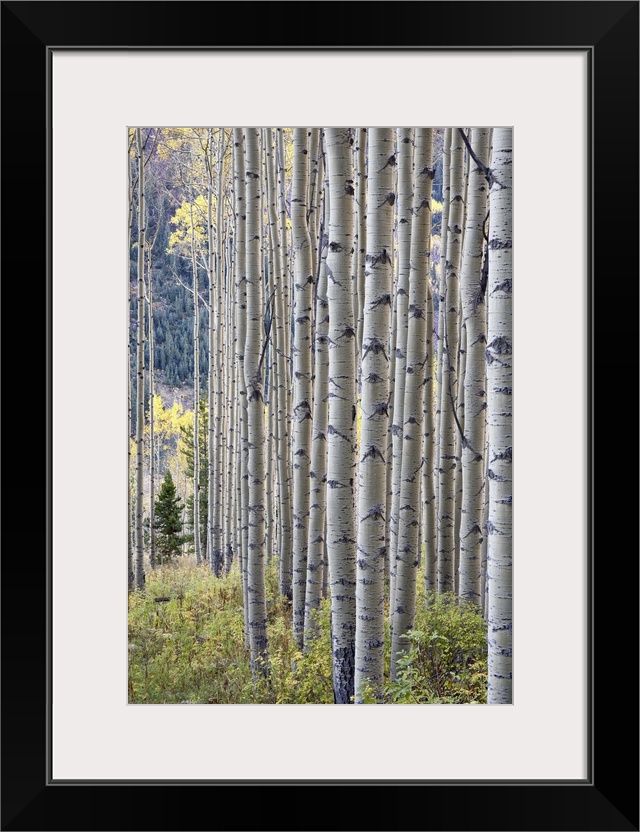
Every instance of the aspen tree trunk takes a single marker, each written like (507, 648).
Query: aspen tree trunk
(418, 361)
(267, 356)
(282, 302)
(284, 246)
(446, 192)
(474, 314)
(281, 385)
(499, 355)
(130, 516)
(241, 328)
(139, 535)
(313, 202)
(230, 384)
(244, 439)
(389, 449)
(238, 482)
(219, 457)
(318, 473)
(341, 430)
(231, 407)
(405, 198)
(392, 341)
(303, 277)
(196, 399)
(429, 532)
(462, 358)
(374, 364)
(459, 432)
(361, 199)
(211, 443)
(271, 434)
(152, 443)
(485, 535)
(258, 640)
(446, 507)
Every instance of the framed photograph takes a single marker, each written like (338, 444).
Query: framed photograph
(84, 746)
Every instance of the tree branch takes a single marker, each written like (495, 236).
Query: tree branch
(268, 333)
(488, 173)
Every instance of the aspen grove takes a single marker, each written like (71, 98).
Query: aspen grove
(319, 415)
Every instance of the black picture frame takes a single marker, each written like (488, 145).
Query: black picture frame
(608, 798)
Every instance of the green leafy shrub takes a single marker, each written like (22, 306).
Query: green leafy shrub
(187, 645)
(190, 649)
(447, 660)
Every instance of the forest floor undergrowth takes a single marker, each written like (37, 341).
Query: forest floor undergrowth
(190, 649)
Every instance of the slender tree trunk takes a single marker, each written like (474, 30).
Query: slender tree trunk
(139, 534)
(241, 329)
(130, 517)
(341, 430)
(499, 356)
(405, 198)
(213, 324)
(280, 382)
(446, 195)
(369, 660)
(318, 473)
(313, 202)
(244, 439)
(196, 399)
(485, 534)
(472, 294)
(221, 339)
(446, 507)
(258, 640)
(130, 502)
(429, 530)
(302, 375)
(232, 405)
(459, 433)
(361, 198)
(418, 360)
(284, 247)
(152, 441)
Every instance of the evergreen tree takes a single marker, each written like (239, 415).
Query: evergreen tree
(186, 449)
(168, 519)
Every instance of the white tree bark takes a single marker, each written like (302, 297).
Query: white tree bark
(404, 208)
(472, 294)
(499, 356)
(130, 514)
(139, 535)
(318, 473)
(152, 439)
(196, 398)
(241, 330)
(283, 318)
(361, 232)
(446, 490)
(446, 191)
(418, 361)
(230, 385)
(211, 380)
(302, 409)
(130, 502)
(281, 382)
(429, 530)
(256, 469)
(459, 433)
(369, 660)
(219, 449)
(341, 430)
